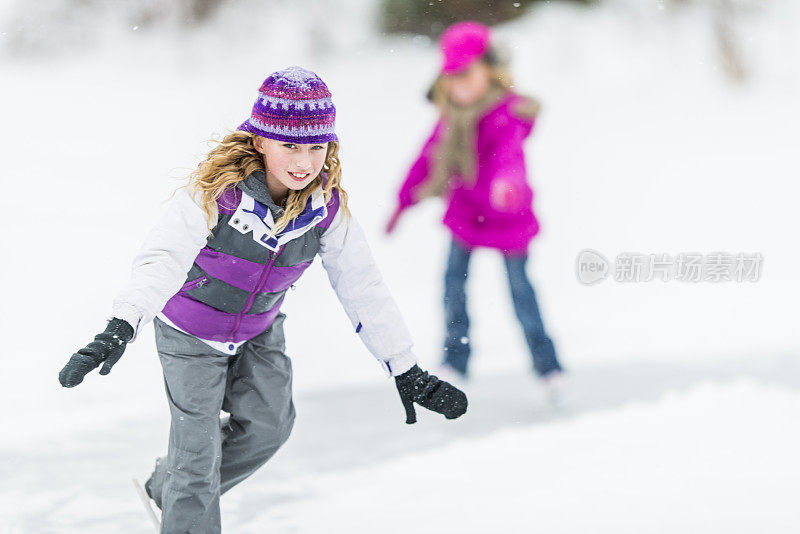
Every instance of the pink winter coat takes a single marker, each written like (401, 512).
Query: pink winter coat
(497, 211)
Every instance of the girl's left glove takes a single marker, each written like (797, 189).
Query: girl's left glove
(416, 385)
(107, 348)
(391, 224)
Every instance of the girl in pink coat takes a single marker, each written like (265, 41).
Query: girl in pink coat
(474, 159)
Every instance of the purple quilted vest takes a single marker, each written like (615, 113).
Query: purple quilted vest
(236, 286)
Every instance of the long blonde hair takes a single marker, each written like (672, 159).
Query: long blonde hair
(234, 158)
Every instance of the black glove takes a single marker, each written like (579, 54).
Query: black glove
(107, 347)
(416, 385)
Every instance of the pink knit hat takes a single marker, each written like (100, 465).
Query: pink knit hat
(462, 44)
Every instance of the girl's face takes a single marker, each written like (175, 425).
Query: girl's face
(469, 85)
(289, 165)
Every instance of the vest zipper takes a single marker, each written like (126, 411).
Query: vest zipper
(250, 299)
(194, 284)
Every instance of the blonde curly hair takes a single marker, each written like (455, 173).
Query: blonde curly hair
(235, 157)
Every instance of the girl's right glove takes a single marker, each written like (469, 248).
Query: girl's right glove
(504, 196)
(416, 385)
(107, 348)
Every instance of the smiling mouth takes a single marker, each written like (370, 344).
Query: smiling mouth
(299, 176)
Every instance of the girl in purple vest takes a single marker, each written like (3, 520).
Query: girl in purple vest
(474, 159)
(212, 275)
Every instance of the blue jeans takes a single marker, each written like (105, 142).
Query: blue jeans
(457, 346)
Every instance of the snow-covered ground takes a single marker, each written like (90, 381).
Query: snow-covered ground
(692, 462)
(642, 147)
(638, 447)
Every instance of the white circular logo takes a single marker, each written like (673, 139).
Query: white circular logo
(591, 267)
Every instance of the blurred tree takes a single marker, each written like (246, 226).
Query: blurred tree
(431, 17)
(50, 25)
(725, 16)
(198, 10)
(728, 43)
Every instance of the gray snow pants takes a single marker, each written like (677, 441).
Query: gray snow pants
(207, 457)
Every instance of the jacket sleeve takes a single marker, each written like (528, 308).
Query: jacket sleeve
(419, 171)
(510, 190)
(160, 267)
(365, 298)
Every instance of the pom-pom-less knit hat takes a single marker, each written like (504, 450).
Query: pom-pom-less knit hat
(462, 44)
(294, 106)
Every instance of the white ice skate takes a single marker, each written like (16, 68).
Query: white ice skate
(148, 504)
(555, 385)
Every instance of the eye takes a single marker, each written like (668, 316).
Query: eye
(317, 147)
(289, 145)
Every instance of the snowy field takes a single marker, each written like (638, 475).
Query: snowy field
(683, 401)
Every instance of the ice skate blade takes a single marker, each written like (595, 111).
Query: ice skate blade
(146, 502)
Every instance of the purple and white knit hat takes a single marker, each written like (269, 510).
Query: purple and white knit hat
(294, 106)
